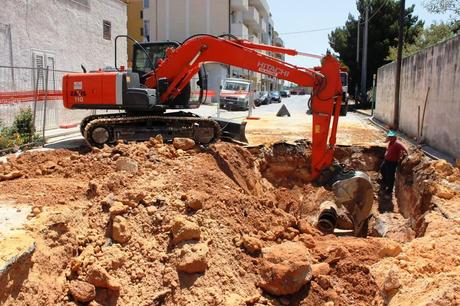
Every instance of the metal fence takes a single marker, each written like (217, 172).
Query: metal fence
(31, 105)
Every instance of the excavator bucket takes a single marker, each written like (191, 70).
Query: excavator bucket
(353, 201)
(231, 129)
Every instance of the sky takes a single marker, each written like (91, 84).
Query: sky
(303, 15)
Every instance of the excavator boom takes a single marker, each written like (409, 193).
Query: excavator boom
(181, 64)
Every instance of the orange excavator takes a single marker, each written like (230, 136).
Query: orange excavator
(160, 81)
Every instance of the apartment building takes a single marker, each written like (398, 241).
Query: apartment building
(61, 34)
(135, 9)
(180, 19)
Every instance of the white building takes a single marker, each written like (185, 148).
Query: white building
(61, 34)
(180, 19)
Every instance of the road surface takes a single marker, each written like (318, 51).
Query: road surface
(353, 128)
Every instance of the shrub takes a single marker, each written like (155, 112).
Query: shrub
(21, 133)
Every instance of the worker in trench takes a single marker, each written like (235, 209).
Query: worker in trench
(394, 153)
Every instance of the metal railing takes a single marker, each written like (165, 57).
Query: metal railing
(30, 105)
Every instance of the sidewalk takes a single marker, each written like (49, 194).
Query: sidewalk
(428, 150)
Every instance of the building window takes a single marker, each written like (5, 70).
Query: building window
(142, 14)
(107, 31)
(142, 31)
(40, 61)
(146, 3)
(146, 30)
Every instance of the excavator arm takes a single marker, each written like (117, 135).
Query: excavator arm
(181, 64)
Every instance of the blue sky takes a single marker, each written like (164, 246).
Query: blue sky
(302, 15)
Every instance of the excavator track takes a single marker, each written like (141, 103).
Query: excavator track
(108, 129)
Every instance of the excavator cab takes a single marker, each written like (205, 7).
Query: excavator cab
(147, 54)
(146, 57)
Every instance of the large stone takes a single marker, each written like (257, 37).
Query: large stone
(193, 259)
(195, 199)
(285, 268)
(183, 230)
(321, 268)
(183, 143)
(127, 164)
(389, 248)
(120, 231)
(118, 208)
(252, 245)
(82, 291)
(99, 277)
(11, 176)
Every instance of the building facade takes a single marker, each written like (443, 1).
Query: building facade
(136, 26)
(180, 19)
(61, 34)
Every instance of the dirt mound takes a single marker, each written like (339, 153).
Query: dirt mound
(147, 224)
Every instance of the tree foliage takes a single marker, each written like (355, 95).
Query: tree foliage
(443, 6)
(383, 35)
(434, 34)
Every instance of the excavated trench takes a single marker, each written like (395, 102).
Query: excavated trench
(157, 224)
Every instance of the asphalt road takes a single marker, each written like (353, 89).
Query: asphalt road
(353, 128)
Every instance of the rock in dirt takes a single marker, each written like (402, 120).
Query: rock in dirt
(182, 230)
(195, 200)
(285, 268)
(127, 164)
(120, 231)
(252, 245)
(82, 291)
(391, 283)
(99, 277)
(10, 176)
(389, 248)
(117, 208)
(321, 268)
(183, 143)
(193, 259)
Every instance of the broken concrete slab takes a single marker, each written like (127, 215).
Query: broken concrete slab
(15, 262)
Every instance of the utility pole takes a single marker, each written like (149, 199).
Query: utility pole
(357, 56)
(364, 59)
(398, 64)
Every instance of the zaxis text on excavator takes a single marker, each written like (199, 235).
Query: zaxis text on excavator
(160, 80)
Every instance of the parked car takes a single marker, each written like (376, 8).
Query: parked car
(275, 96)
(294, 92)
(262, 98)
(285, 93)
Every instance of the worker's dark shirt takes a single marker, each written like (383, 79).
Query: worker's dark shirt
(394, 151)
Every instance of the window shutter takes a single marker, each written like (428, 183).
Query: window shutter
(50, 63)
(38, 63)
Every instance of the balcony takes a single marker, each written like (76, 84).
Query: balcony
(263, 26)
(277, 41)
(239, 5)
(239, 30)
(254, 39)
(261, 5)
(251, 17)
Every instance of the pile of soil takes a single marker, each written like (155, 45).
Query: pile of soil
(153, 224)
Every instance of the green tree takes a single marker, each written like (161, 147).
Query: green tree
(434, 34)
(443, 6)
(383, 34)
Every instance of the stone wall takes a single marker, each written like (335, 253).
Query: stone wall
(437, 68)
